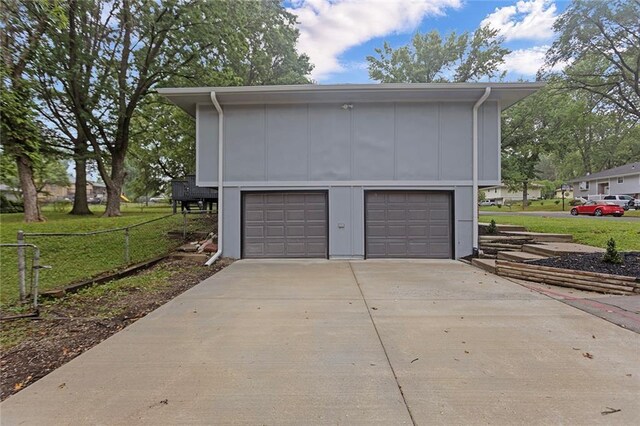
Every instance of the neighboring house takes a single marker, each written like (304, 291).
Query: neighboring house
(623, 180)
(52, 192)
(8, 192)
(98, 190)
(348, 171)
(568, 193)
(501, 193)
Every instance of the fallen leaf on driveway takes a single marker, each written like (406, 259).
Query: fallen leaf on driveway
(587, 355)
(610, 410)
(414, 360)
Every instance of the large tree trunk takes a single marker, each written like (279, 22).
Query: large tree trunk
(29, 191)
(525, 195)
(80, 204)
(114, 186)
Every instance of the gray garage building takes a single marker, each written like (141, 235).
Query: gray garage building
(348, 171)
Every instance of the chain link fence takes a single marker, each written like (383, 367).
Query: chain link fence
(75, 257)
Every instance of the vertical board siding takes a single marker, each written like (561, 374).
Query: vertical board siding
(372, 141)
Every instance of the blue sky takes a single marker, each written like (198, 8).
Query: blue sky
(338, 35)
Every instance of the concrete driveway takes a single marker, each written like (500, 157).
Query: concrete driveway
(332, 342)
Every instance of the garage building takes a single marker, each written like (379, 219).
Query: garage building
(348, 171)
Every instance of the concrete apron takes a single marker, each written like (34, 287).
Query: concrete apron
(295, 342)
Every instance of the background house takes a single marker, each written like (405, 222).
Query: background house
(348, 171)
(568, 193)
(623, 180)
(501, 193)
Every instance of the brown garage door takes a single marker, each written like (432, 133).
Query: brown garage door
(284, 224)
(408, 224)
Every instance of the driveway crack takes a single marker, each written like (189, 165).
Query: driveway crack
(384, 349)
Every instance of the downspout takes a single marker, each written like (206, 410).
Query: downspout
(474, 166)
(215, 103)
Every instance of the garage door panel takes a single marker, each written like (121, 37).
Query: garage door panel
(291, 224)
(408, 224)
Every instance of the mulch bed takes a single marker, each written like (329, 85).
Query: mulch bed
(66, 330)
(592, 262)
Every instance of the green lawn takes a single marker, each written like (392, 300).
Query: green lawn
(543, 206)
(592, 232)
(74, 258)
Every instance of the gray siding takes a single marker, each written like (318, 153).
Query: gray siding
(371, 142)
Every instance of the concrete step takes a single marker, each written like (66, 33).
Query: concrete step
(518, 256)
(488, 265)
(558, 249)
(542, 237)
(505, 227)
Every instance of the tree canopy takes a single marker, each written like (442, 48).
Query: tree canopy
(431, 58)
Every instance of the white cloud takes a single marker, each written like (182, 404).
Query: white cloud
(529, 20)
(330, 27)
(527, 62)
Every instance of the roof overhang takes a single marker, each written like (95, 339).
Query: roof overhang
(506, 93)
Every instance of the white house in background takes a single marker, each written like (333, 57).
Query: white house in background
(568, 193)
(623, 180)
(501, 193)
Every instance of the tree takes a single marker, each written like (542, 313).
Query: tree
(430, 58)
(601, 40)
(259, 50)
(23, 26)
(526, 130)
(113, 53)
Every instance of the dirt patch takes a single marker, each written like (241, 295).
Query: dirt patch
(592, 262)
(67, 327)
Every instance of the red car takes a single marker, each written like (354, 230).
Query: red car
(598, 208)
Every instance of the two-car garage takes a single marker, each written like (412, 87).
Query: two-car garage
(398, 224)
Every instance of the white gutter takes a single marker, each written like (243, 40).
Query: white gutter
(218, 253)
(487, 92)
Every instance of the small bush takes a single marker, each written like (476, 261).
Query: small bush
(542, 203)
(499, 206)
(612, 255)
(557, 202)
(492, 228)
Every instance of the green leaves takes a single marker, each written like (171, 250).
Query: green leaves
(601, 42)
(430, 58)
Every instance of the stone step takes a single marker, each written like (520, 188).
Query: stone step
(502, 227)
(488, 265)
(518, 256)
(542, 237)
(502, 238)
(193, 256)
(558, 249)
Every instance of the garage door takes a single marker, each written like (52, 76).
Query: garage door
(408, 224)
(284, 224)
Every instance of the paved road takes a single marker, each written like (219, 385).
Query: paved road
(364, 342)
(635, 219)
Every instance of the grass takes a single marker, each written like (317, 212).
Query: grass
(74, 258)
(543, 206)
(105, 301)
(591, 232)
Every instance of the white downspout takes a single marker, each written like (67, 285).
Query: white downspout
(218, 253)
(474, 166)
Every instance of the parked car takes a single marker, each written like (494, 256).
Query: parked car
(598, 208)
(94, 200)
(487, 203)
(624, 201)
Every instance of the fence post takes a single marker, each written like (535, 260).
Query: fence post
(126, 245)
(184, 226)
(22, 264)
(36, 276)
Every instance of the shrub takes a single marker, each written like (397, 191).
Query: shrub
(557, 202)
(542, 203)
(612, 255)
(499, 206)
(492, 228)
